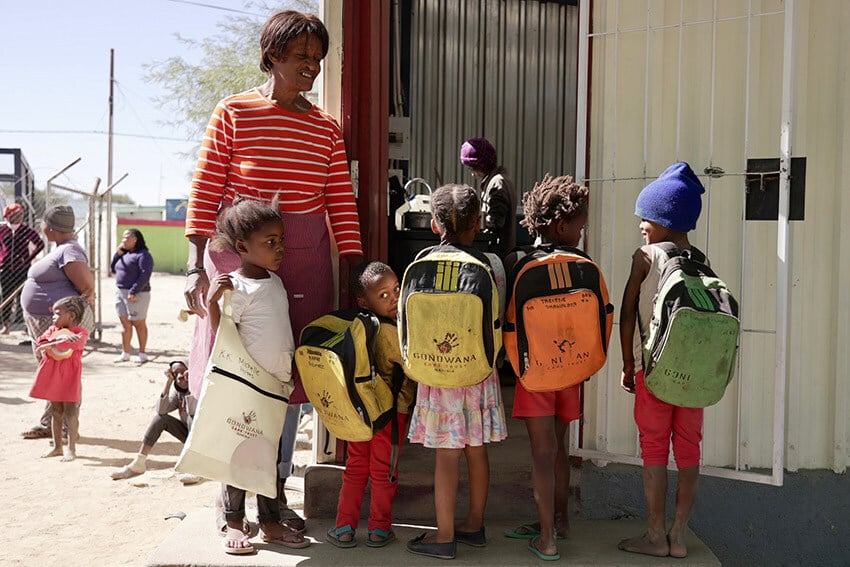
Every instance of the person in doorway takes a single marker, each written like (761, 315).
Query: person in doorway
(175, 396)
(668, 208)
(19, 245)
(132, 265)
(498, 194)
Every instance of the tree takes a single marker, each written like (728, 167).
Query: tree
(229, 64)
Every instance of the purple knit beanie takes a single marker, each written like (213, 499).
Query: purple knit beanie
(673, 200)
(478, 153)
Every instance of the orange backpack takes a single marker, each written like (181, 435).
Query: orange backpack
(558, 320)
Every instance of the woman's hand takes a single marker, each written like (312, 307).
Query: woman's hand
(131, 297)
(195, 292)
(627, 379)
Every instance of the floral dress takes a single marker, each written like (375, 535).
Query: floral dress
(452, 418)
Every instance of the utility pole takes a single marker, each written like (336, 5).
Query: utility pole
(108, 247)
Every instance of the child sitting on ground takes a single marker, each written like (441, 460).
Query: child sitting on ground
(668, 208)
(555, 212)
(175, 396)
(58, 378)
(375, 288)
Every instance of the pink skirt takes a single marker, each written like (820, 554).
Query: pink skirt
(307, 275)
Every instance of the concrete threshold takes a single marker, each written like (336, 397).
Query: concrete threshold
(194, 542)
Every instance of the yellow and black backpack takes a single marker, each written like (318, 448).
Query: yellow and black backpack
(558, 320)
(449, 328)
(336, 366)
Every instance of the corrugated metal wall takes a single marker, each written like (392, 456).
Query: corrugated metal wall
(700, 81)
(503, 69)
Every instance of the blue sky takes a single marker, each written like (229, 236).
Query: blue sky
(54, 77)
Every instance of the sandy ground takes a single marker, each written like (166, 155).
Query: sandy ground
(74, 513)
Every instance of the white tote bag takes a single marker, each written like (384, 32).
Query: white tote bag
(236, 431)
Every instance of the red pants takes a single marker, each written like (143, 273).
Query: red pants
(659, 421)
(370, 460)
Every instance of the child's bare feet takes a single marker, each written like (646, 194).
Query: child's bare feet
(68, 454)
(678, 547)
(562, 526)
(647, 545)
(56, 452)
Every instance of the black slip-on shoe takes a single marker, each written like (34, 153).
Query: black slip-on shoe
(438, 550)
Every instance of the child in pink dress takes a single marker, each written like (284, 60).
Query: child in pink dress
(457, 421)
(58, 378)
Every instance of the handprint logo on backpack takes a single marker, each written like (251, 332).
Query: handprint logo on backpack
(249, 417)
(325, 399)
(448, 343)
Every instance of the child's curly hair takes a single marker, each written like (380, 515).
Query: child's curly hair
(552, 199)
(456, 208)
(363, 275)
(240, 220)
(73, 304)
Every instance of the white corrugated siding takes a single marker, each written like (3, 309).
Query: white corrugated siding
(653, 101)
(503, 69)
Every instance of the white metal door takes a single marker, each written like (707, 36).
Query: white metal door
(710, 83)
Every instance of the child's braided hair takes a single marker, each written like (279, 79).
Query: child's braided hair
(75, 305)
(240, 220)
(456, 209)
(552, 199)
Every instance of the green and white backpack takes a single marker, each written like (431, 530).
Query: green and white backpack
(691, 346)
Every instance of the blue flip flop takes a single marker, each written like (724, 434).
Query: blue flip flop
(540, 555)
(526, 531)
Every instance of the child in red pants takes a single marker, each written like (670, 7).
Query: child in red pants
(375, 288)
(668, 208)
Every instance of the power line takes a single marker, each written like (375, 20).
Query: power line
(145, 136)
(214, 7)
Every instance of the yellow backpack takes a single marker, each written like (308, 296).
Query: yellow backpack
(335, 363)
(449, 328)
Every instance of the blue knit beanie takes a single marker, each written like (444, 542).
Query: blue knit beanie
(673, 200)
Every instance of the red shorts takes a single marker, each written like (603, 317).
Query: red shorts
(658, 422)
(563, 404)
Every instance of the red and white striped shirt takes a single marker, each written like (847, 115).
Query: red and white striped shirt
(257, 150)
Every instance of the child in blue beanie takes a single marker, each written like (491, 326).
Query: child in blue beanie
(668, 208)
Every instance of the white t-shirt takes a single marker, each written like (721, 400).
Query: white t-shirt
(261, 313)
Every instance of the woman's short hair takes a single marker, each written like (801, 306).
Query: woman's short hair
(455, 208)
(283, 27)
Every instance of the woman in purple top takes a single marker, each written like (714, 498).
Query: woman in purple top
(132, 265)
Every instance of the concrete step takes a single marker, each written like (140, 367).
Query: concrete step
(194, 542)
(510, 494)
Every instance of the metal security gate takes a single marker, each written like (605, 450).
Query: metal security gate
(710, 83)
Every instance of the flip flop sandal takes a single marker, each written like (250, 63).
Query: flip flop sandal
(292, 520)
(540, 555)
(525, 531)
(289, 539)
(334, 536)
(386, 537)
(237, 543)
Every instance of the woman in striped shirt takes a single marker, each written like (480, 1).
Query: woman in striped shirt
(271, 142)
